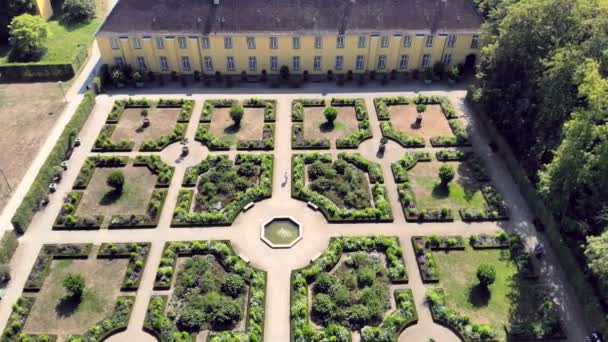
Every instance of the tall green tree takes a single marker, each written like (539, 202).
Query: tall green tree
(28, 33)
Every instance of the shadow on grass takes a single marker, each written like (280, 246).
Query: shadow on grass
(111, 197)
(67, 306)
(479, 295)
(232, 129)
(441, 191)
(327, 127)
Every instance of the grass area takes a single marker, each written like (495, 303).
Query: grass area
(462, 192)
(457, 274)
(63, 41)
(53, 314)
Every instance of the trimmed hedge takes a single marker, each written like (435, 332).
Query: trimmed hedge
(16, 321)
(137, 253)
(44, 72)
(424, 247)
(116, 322)
(48, 253)
(39, 189)
(8, 246)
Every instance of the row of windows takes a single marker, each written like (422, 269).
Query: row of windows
(252, 62)
(295, 42)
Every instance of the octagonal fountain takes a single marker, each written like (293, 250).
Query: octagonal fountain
(281, 232)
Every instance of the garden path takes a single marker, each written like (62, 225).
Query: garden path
(244, 232)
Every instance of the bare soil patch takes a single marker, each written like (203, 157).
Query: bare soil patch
(100, 199)
(315, 124)
(28, 112)
(251, 127)
(162, 121)
(52, 314)
(434, 122)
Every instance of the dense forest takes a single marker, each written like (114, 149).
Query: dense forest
(542, 81)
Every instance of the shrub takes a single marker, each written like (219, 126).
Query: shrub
(74, 284)
(236, 113)
(331, 113)
(486, 274)
(77, 11)
(421, 108)
(446, 174)
(233, 285)
(28, 33)
(116, 179)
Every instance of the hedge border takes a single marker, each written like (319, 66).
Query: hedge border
(123, 252)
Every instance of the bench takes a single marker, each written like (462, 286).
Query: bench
(315, 257)
(244, 258)
(312, 205)
(248, 206)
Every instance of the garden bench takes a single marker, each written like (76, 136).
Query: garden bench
(312, 205)
(248, 206)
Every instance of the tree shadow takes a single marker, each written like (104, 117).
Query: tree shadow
(232, 129)
(327, 127)
(111, 197)
(67, 306)
(479, 295)
(466, 180)
(440, 191)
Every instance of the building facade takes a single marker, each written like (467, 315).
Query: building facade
(348, 42)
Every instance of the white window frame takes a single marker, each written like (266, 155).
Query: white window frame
(251, 43)
(230, 64)
(316, 63)
(160, 43)
(274, 63)
(339, 63)
(318, 42)
(186, 65)
(119, 61)
(252, 63)
(164, 63)
(475, 42)
(182, 43)
(227, 43)
(340, 42)
(451, 41)
(115, 43)
(381, 62)
(447, 59)
(295, 42)
(205, 43)
(362, 42)
(296, 63)
(274, 43)
(430, 39)
(208, 63)
(407, 41)
(385, 41)
(426, 60)
(360, 62)
(136, 43)
(404, 62)
(141, 63)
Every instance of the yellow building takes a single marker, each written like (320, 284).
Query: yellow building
(44, 8)
(317, 36)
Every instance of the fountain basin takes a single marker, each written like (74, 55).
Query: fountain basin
(281, 232)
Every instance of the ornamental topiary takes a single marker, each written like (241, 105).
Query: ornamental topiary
(77, 11)
(446, 174)
(331, 113)
(486, 274)
(74, 285)
(116, 179)
(236, 113)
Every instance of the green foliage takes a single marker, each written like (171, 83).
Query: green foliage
(331, 113)
(236, 113)
(597, 254)
(486, 274)
(28, 34)
(233, 285)
(74, 284)
(421, 108)
(77, 11)
(446, 174)
(116, 179)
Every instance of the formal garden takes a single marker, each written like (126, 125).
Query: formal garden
(248, 125)
(78, 292)
(213, 290)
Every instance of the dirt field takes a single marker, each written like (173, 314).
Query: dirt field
(251, 128)
(162, 121)
(53, 315)
(315, 126)
(434, 122)
(462, 192)
(28, 113)
(100, 199)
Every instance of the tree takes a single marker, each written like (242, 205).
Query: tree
(446, 174)
(233, 285)
(597, 254)
(331, 113)
(421, 108)
(236, 113)
(74, 284)
(10, 9)
(116, 179)
(486, 274)
(28, 33)
(77, 11)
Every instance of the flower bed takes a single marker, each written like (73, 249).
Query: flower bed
(495, 211)
(186, 107)
(424, 247)
(455, 321)
(165, 329)
(210, 105)
(301, 328)
(148, 220)
(389, 132)
(158, 167)
(184, 217)
(392, 326)
(382, 104)
(380, 212)
(155, 145)
(137, 253)
(16, 321)
(67, 220)
(364, 132)
(104, 142)
(483, 241)
(48, 253)
(87, 170)
(113, 324)
(212, 142)
(460, 137)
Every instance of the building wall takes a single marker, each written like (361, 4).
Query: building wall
(126, 49)
(44, 8)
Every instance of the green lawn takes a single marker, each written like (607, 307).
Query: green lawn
(63, 41)
(457, 276)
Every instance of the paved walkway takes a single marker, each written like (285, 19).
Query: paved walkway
(244, 233)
